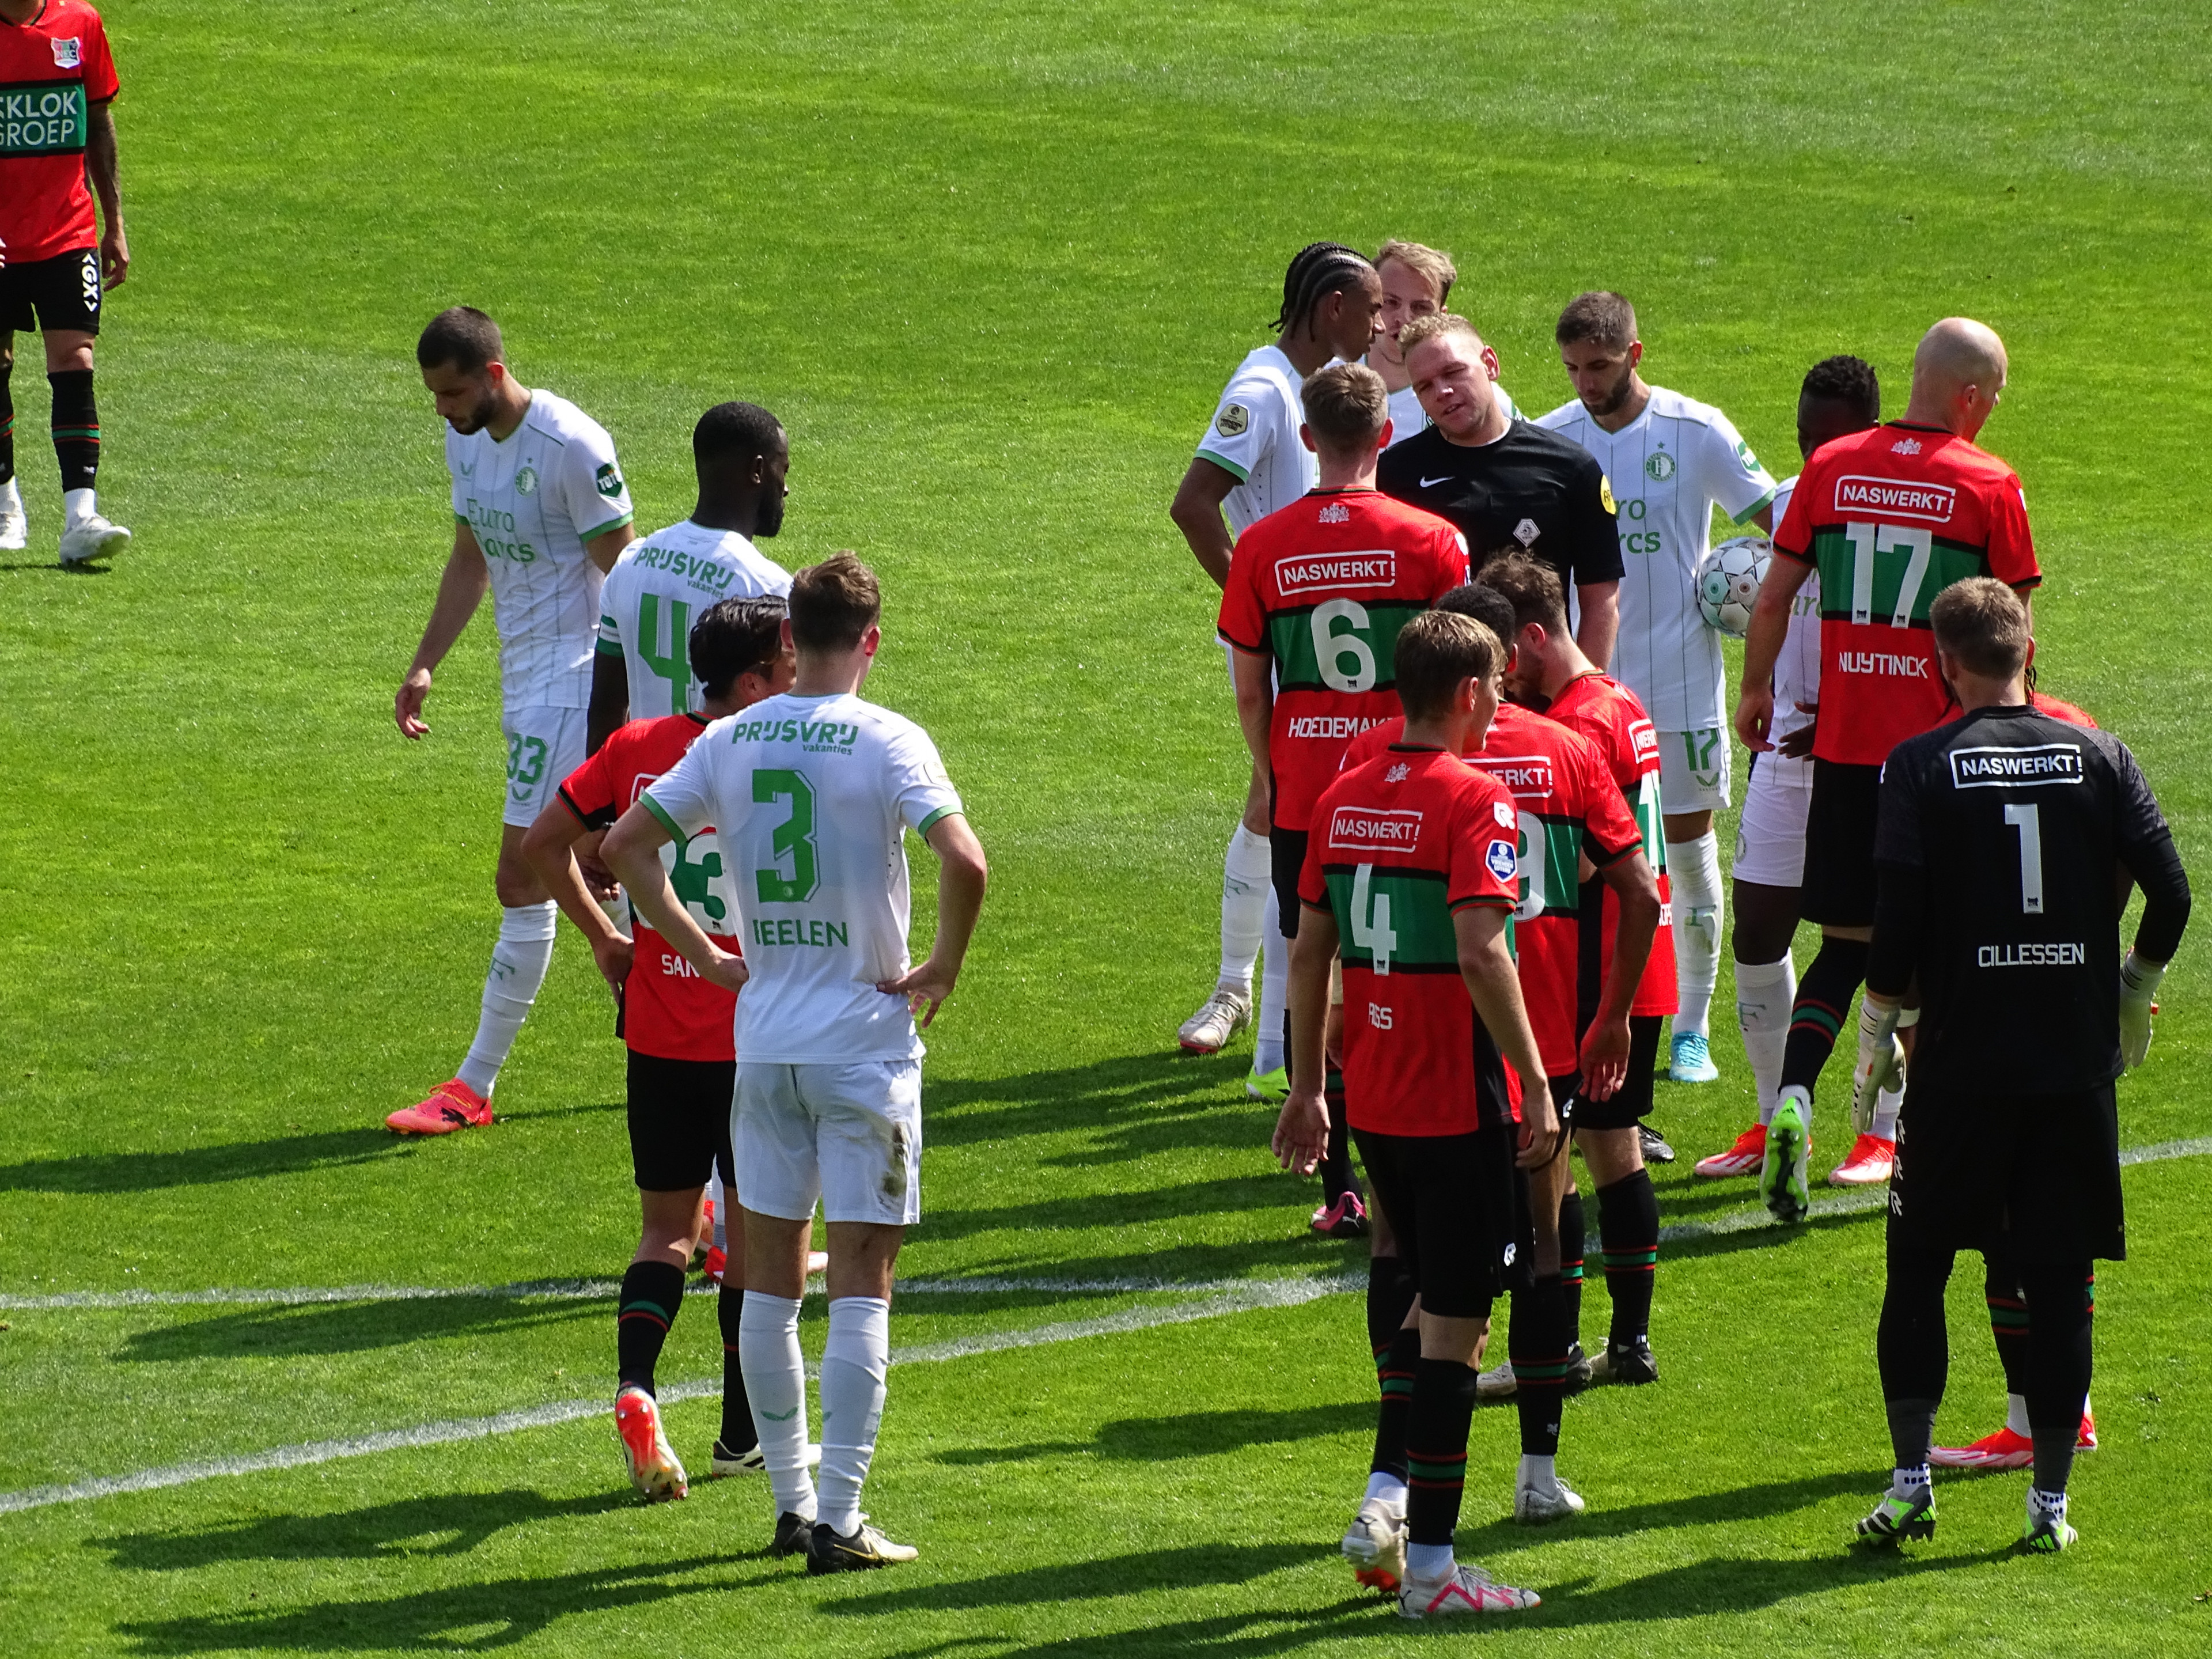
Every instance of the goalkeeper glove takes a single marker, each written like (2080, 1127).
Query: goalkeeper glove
(2139, 978)
(1884, 1066)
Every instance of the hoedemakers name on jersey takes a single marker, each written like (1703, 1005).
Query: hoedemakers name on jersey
(1329, 726)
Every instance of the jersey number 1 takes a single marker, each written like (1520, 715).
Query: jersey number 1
(2025, 819)
(794, 838)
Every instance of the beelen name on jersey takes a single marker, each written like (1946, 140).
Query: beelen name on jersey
(1374, 829)
(1375, 568)
(1931, 503)
(1995, 767)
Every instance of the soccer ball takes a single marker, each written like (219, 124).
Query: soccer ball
(1728, 582)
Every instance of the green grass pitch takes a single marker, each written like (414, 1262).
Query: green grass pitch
(990, 264)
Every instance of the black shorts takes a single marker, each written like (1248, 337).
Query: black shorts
(1839, 824)
(2035, 1178)
(47, 295)
(1287, 850)
(1458, 1208)
(679, 1121)
(1632, 1103)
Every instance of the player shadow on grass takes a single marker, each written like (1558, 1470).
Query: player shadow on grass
(1261, 1190)
(1188, 1566)
(445, 1523)
(1191, 1434)
(1144, 1102)
(52, 567)
(472, 1618)
(193, 1166)
(272, 1333)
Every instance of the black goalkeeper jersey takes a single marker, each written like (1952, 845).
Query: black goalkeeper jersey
(2015, 824)
(1532, 491)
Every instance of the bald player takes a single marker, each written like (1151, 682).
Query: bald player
(1890, 517)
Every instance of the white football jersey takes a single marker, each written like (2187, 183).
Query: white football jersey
(1797, 670)
(1669, 467)
(1254, 435)
(532, 501)
(1407, 416)
(811, 798)
(657, 589)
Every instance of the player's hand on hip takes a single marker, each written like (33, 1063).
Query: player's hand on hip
(615, 955)
(1799, 744)
(407, 707)
(1301, 1131)
(1604, 1058)
(1755, 717)
(925, 989)
(114, 258)
(727, 970)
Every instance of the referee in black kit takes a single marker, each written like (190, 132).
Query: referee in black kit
(2007, 845)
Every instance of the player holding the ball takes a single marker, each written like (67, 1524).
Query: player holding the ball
(1671, 459)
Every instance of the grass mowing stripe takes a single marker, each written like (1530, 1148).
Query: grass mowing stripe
(1848, 1203)
(1245, 1297)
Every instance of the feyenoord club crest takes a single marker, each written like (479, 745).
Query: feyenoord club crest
(526, 481)
(1660, 464)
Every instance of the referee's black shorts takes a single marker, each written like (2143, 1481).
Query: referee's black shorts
(2033, 1177)
(679, 1121)
(1458, 1207)
(1838, 889)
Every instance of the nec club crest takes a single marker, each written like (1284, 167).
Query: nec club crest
(1895, 498)
(69, 53)
(1398, 774)
(1336, 513)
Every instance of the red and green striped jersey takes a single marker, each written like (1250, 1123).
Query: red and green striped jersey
(1322, 588)
(1893, 516)
(1568, 806)
(1398, 846)
(1607, 712)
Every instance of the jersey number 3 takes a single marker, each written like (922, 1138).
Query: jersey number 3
(793, 839)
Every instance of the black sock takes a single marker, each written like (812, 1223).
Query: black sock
(2008, 1321)
(1394, 1373)
(1390, 1291)
(1573, 1241)
(1824, 999)
(738, 1433)
(1628, 1238)
(1913, 1350)
(1536, 1340)
(2058, 1365)
(651, 1292)
(76, 428)
(7, 422)
(1436, 1449)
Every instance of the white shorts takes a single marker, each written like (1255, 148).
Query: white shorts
(849, 1135)
(1770, 837)
(543, 745)
(1695, 770)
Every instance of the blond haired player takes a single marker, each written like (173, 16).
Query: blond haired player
(1417, 281)
(1250, 464)
(540, 514)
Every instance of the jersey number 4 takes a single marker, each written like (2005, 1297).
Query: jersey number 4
(793, 844)
(1370, 920)
(667, 653)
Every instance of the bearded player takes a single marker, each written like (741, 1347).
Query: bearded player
(540, 514)
(1251, 463)
(57, 133)
(1889, 517)
(1315, 596)
(1672, 461)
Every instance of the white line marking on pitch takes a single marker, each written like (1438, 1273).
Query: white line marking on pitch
(1229, 1297)
(1244, 1297)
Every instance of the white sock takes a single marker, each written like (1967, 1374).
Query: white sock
(1909, 1483)
(1274, 994)
(2017, 1416)
(1387, 1487)
(1803, 1096)
(1694, 869)
(1886, 1105)
(1429, 1561)
(518, 969)
(854, 1362)
(78, 505)
(1247, 877)
(1541, 1472)
(1764, 993)
(775, 1384)
(2046, 1506)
